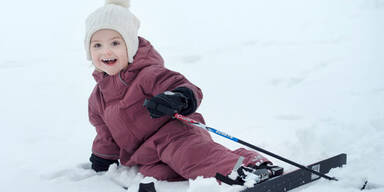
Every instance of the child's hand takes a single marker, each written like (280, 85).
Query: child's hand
(101, 164)
(167, 103)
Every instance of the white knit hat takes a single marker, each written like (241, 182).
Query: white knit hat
(114, 15)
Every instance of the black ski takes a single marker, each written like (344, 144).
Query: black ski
(293, 179)
(299, 177)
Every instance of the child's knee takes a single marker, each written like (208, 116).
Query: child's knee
(160, 171)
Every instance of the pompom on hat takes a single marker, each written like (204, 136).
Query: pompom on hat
(114, 15)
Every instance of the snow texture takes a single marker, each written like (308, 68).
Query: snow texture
(303, 79)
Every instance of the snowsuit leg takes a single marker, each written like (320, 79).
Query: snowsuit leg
(187, 151)
(251, 157)
(192, 153)
(160, 171)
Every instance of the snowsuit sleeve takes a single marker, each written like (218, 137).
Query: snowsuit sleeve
(104, 145)
(160, 79)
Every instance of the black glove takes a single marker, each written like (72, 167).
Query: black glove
(101, 164)
(180, 100)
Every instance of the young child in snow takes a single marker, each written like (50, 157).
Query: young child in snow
(128, 70)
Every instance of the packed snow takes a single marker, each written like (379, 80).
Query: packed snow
(303, 79)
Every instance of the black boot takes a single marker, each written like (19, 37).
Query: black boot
(260, 173)
(147, 187)
(257, 173)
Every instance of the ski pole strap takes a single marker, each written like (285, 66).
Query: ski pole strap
(198, 124)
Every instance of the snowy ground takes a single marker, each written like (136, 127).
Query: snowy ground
(303, 79)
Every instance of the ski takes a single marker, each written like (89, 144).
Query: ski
(299, 177)
(294, 179)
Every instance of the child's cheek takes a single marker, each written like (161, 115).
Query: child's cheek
(94, 57)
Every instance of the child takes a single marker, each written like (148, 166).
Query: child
(129, 71)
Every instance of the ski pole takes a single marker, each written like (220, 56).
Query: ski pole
(210, 129)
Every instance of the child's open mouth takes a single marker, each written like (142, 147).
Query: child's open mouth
(109, 61)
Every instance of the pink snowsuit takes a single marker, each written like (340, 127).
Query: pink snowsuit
(163, 148)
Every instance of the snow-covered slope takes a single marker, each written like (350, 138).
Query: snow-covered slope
(303, 79)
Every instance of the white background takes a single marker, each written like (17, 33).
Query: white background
(303, 79)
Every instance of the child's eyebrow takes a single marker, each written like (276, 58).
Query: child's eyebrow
(115, 37)
(95, 41)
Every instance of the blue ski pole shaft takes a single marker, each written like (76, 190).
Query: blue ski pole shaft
(210, 129)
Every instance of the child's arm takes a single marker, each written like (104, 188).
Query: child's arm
(162, 79)
(172, 93)
(104, 149)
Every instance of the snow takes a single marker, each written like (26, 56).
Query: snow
(302, 79)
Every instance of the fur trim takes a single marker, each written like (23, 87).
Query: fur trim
(123, 3)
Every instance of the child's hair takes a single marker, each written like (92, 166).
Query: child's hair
(114, 15)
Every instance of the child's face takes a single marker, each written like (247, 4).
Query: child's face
(108, 51)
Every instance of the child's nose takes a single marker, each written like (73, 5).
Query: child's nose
(108, 51)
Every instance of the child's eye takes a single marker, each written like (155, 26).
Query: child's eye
(115, 43)
(96, 45)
